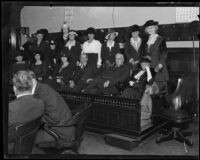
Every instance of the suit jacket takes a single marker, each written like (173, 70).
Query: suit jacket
(73, 53)
(131, 52)
(158, 54)
(80, 75)
(107, 54)
(65, 73)
(24, 109)
(115, 74)
(56, 111)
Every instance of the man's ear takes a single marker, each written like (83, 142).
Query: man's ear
(15, 90)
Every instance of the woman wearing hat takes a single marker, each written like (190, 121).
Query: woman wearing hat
(143, 75)
(72, 48)
(109, 49)
(39, 66)
(19, 64)
(42, 44)
(92, 48)
(157, 50)
(61, 74)
(134, 48)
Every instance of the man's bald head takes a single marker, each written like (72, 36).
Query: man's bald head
(83, 58)
(119, 59)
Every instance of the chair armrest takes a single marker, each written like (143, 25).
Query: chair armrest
(46, 127)
(70, 125)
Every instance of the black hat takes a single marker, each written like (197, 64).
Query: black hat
(18, 53)
(37, 52)
(134, 28)
(110, 32)
(150, 23)
(146, 59)
(91, 30)
(63, 55)
(42, 31)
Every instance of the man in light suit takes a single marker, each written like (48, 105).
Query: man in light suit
(56, 111)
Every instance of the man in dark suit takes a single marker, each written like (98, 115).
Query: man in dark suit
(56, 111)
(83, 74)
(25, 108)
(109, 79)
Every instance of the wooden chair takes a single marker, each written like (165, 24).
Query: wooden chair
(22, 136)
(78, 120)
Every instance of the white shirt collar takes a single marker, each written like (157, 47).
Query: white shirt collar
(110, 44)
(33, 90)
(25, 94)
(135, 41)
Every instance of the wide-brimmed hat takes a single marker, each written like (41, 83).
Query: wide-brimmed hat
(42, 31)
(18, 53)
(134, 28)
(91, 31)
(111, 32)
(145, 59)
(37, 52)
(72, 32)
(63, 55)
(150, 23)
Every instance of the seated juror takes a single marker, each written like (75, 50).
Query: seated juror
(56, 111)
(106, 82)
(25, 107)
(142, 76)
(60, 77)
(82, 75)
(19, 63)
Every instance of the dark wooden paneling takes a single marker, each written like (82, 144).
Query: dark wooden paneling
(110, 114)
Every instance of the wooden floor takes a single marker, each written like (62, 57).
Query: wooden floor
(94, 144)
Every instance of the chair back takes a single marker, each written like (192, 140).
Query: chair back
(79, 120)
(184, 97)
(23, 135)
